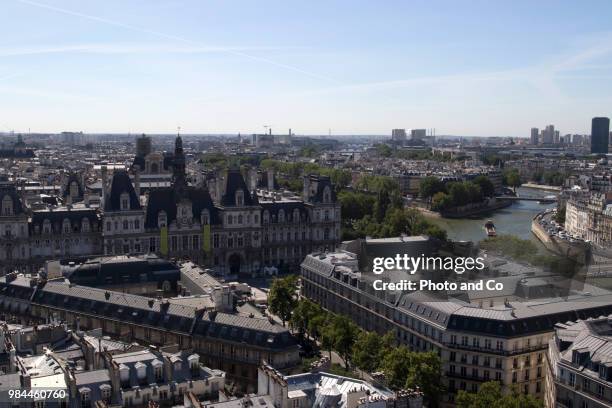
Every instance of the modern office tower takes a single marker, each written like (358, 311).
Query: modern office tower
(143, 145)
(548, 134)
(600, 132)
(418, 134)
(398, 135)
(577, 139)
(534, 136)
(556, 138)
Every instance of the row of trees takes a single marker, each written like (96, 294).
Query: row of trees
(289, 175)
(372, 352)
(490, 395)
(369, 351)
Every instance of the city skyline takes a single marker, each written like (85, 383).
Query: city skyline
(352, 68)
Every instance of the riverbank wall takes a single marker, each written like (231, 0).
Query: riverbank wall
(545, 187)
(466, 211)
(578, 251)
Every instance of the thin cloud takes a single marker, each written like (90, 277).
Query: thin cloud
(174, 38)
(124, 49)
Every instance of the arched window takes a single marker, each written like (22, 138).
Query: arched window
(46, 226)
(162, 219)
(326, 234)
(230, 219)
(239, 219)
(85, 225)
(7, 206)
(296, 215)
(266, 217)
(125, 225)
(205, 217)
(125, 201)
(66, 227)
(281, 215)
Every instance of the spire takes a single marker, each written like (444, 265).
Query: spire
(178, 167)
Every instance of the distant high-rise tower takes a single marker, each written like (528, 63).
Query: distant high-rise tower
(534, 136)
(398, 136)
(418, 134)
(600, 132)
(548, 134)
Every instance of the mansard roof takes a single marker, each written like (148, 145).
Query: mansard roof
(235, 182)
(72, 177)
(273, 207)
(121, 184)
(57, 215)
(321, 182)
(166, 199)
(147, 311)
(10, 190)
(112, 270)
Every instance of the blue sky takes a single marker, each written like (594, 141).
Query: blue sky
(355, 67)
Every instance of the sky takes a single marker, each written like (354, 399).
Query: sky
(472, 68)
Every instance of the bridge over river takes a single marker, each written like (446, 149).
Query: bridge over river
(544, 200)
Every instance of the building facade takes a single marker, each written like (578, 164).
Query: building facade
(580, 364)
(478, 340)
(226, 225)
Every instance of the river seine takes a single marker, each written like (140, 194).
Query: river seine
(513, 220)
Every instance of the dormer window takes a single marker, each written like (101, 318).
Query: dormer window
(327, 195)
(141, 372)
(105, 392)
(162, 219)
(66, 226)
(158, 372)
(85, 225)
(240, 198)
(125, 201)
(194, 364)
(7, 206)
(85, 397)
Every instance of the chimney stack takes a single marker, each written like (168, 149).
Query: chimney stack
(306, 188)
(270, 179)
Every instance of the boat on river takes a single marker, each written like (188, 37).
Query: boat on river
(490, 229)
